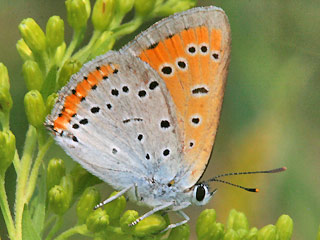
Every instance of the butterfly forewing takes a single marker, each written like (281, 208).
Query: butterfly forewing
(190, 51)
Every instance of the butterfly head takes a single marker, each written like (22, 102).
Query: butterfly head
(201, 194)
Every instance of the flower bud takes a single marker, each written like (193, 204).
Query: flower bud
(58, 200)
(51, 100)
(55, 171)
(150, 225)
(60, 51)
(182, 232)
(231, 235)
(70, 67)
(172, 6)
(144, 8)
(285, 227)
(32, 75)
(237, 220)
(89, 198)
(124, 6)
(34, 108)
(102, 14)
(67, 184)
(33, 35)
(206, 227)
(268, 232)
(7, 150)
(116, 207)
(127, 218)
(5, 100)
(24, 51)
(77, 13)
(82, 179)
(97, 221)
(4, 76)
(252, 234)
(55, 32)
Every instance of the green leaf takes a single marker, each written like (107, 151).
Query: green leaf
(28, 230)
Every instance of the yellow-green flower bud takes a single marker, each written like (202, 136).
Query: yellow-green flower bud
(5, 100)
(97, 221)
(116, 207)
(102, 13)
(318, 237)
(67, 184)
(58, 200)
(32, 75)
(206, 227)
(89, 198)
(231, 235)
(55, 171)
(127, 218)
(77, 13)
(268, 232)
(124, 6)
(172, 6)
(55, 32)
(237, 220)
(252, 234)
(150, 225)
(24, 51)
(70, 67)
(182, 232)
(33, 35)
(7, 150)
(285, 227)
(144, 8)
(60, 51)
(242, 233)
(51, 100)
(82, 179)
(34, 108)
(4, 76)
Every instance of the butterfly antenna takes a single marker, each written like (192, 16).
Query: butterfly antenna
(215, 179)
(236, 185)
(247, 173)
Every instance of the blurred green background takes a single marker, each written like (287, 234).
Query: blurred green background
(270, 116)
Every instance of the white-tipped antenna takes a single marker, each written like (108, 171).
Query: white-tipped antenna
(215, 179)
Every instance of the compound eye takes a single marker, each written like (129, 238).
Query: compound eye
(200, 192)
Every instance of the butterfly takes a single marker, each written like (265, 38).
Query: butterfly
(144, 118)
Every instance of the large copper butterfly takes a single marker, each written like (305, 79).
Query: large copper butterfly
(144, 119)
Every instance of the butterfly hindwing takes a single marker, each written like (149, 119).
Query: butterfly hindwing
(117, 119)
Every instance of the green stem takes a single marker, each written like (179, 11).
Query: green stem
(22, 178)
(128, 28)
(80, 229)
(76, 39)
(4, 118)
(4, 205)
(84, 52)
(57, 225)
(16, 161)
(35, 169)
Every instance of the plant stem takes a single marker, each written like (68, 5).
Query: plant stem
(35, 169)
(57, 225)
(22, 178)
(84, 52)
(4, 205)
(16, 161)
(128, 28)
(80, 229)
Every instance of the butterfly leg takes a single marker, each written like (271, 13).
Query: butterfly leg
(186, 219)
(110, 199)
(156, 209)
